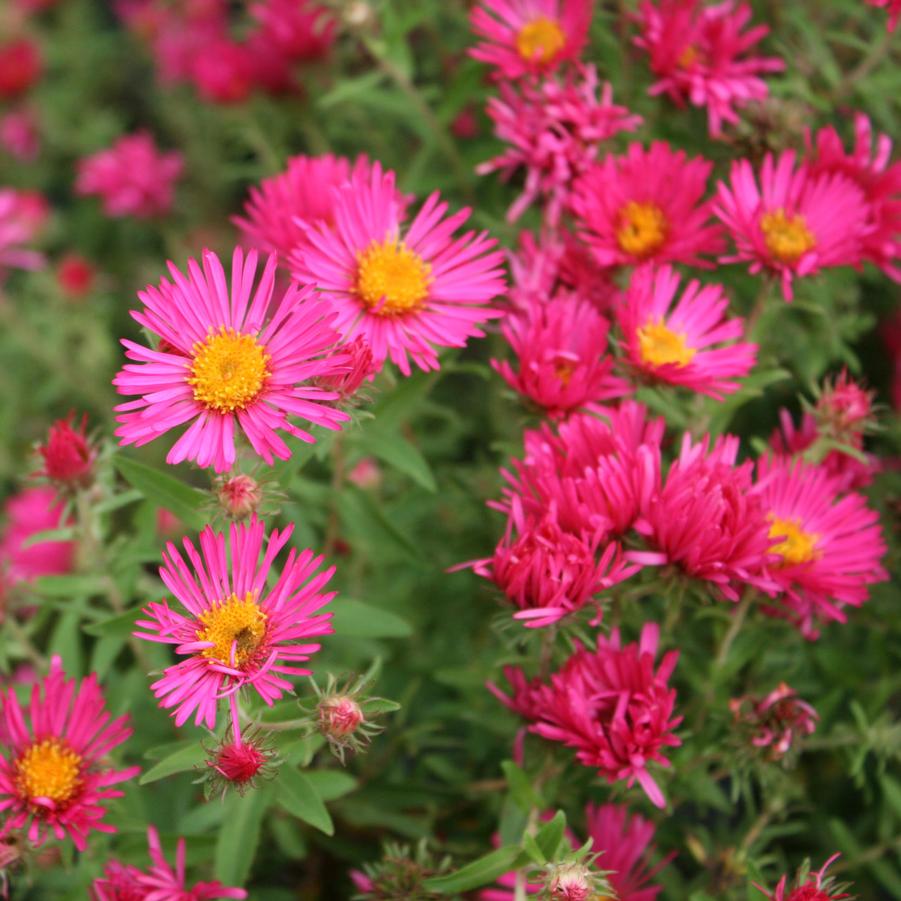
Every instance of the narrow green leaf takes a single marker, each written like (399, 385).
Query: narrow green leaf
(185, 758)
(358, 620)
(480, 872)
(551, 835)
(163, 490)
(399, 453)
(120, 625)
(521, 790)
(297, 794)
(69, 586)
(331, 784)
(239, 835)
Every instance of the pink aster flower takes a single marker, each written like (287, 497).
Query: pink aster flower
(27, 513)
(554, 130)
(132, 177)
(611, 706)
(17, 228)
(123, 882)
(547, 573)
(827, 546)
(20, 134)
(525, 37)
(298, 29)
(598, 470)
(236, 630)
(774, 723)
(224, 71)
(669, 344)
(872, 170)
(794, 223)
(894, 11)
(647, 206)
(302, 192)
(405, 288)
(808, 886)
(561, 348)
(707, 520)
(230, 359)
(56, 778)
(698, 52)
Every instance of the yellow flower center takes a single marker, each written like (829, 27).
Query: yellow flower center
(688, 57)
(234, 621)
(796, 546)
(564, 370)
(49, 769)
(660, 345)
(540, 40)
(787, 237)
(229, 370)
(391, 278)
(642, 229)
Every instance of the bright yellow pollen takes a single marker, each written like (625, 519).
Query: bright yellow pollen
(49, 769)
(642, 229)
(229, 370)
(688, 57)
(540, 40)
(234, 621)
(391, 278)
(660, 345)
(787, 237)
(796, 546)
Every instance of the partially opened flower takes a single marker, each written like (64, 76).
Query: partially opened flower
(132, 177)
(776, 723)
(55, 775)
(794, 223)
(808, 886)
(406, 289)
(554, 130)
(228, 360)
(611, 706)
(827, 546)
(699, 53)
(237, 629)
(871, 168)
(563, 363)
(523, 37)
(647, 206)
(677, 344)
(160, 882)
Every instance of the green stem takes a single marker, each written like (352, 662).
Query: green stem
(738, 619)
(24, 641)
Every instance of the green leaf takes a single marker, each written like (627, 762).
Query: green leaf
(521, 790)
(480, 872)
(297, 794)
(399, 453)
(551, 834)
(189, 755)
(239, 835)
(164, 490)
(355, 619)
(121, 625)
(331, 784)
(69, 586)
(362, 515)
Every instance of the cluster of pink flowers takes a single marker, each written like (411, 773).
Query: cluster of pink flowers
(194, 42)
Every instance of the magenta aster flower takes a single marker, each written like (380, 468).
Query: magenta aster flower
(123, 882)
(794, 223)
(669, 344)
(230, 359)
(17, 229)
(298, 29)
(872, 170)
(707, 520)
(561, 348)
(27, 513)
(523, 37)
(554, 129)
(774, 723)
(815, 886)
(827, 546)
(405, 289)
(132, 177)
(698, 52)
(302, 192)
(646, 206)
(611, 706)
(236, 630)
(894, 11)
(56, 778)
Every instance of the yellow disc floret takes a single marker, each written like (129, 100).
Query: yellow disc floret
(660, 345)
(49, 769)
(234, 622)
(787, 237)
(540, 40)
(642, 228)
(796, 545)
(391, 278)
(229, 370)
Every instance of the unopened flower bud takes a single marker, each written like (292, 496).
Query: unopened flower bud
(238, 763)
(570, 882)
(339, 716)
(844, 407)
(68, 456)
(240, 496)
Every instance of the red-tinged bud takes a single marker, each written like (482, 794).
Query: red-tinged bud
(237, 763)
(844, 408)
(239, 496)
(361, 367)
(75, 276)
(465, 125)
(570, 882)
(366, 474)
(68, 456)
(339, 716)
(20, 67)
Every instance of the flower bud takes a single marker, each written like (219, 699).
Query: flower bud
(239, 496)
(68, 456)
(570, 882)
(20, 67)
(339, 716)
(237, 763)
(844, 408)
(75, 276)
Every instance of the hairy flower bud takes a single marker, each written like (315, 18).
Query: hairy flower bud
(239, 496)
(68, 456)
(339, 716)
